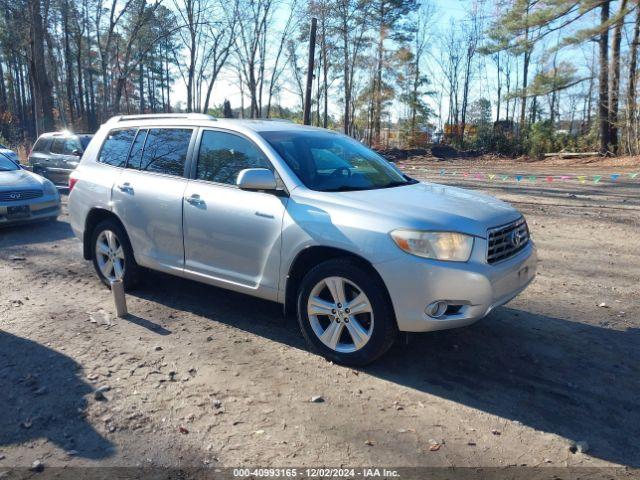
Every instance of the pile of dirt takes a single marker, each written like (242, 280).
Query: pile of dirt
(438, 151)
(394, 154)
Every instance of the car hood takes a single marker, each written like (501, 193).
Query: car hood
(19, 179)
(430, 206)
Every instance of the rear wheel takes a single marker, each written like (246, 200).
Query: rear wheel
(345, 314)
(113, 256)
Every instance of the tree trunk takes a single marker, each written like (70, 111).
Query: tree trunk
(141, 86)
(347, 87)
(603, 100)
(42, 89)
(633, 64)
(615, 79)
(523, 100)
(377, 108)
(3, 91)
(81, 105)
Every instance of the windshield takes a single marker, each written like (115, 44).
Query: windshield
(328, 161)
(7, 165)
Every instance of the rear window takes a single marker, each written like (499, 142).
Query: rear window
(84, 140)
(135, 156)
(165, 150)
(115, 149)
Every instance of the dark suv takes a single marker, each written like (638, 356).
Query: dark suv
(56, 154)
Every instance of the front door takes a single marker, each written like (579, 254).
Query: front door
(148, 195)
(231, 236)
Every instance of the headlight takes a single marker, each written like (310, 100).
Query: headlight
(50, 188)
(450, 246)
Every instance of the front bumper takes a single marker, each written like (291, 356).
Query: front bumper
(41, 208)
(474, 287)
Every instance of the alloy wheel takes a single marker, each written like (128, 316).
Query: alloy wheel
(340, 314)
(110, 255)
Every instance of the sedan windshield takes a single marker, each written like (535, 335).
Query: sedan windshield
(331, 162)
(7, 165)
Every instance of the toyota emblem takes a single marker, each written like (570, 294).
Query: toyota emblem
(516, 238)
(15, 196)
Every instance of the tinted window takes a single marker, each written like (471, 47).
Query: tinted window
(165, 150)
(115, 149)
(41, 145)
(135, 157)
(84, 140)
(223, 155)
(58, 145)
(71, 145)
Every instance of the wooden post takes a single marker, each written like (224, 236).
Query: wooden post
(310, 67)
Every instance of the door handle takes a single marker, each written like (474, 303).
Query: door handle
(125, 187)
(194, 199)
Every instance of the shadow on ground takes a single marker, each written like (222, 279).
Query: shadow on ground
(35, 232)
(552, 374)
(42, 397)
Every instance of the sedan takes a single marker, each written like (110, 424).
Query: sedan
(25, 196)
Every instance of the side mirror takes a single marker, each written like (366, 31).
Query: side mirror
(76, 153)
(256, 179)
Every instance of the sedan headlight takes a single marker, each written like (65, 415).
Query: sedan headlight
(450, 246)
(49, 188)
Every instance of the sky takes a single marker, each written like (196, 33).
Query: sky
(226, 87)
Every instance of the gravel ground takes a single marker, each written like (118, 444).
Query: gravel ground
(201, 376)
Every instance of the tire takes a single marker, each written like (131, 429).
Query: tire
(335, 330)
(122, 255)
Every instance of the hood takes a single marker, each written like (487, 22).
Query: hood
(19, 179)
(430, 206)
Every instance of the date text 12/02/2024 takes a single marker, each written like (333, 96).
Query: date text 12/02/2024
(315, 472)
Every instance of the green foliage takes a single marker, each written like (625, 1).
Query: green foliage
(540, 139)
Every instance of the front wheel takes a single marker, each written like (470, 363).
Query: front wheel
(113, 256)
(345, 314)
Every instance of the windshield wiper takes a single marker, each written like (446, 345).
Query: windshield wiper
(345, 188)
(400, 183)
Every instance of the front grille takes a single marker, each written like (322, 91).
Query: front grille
(507, 240)
(18, 195)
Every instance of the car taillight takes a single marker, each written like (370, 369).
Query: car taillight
(72, 182)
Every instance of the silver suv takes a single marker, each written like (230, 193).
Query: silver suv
(302, 216)
(56, 154)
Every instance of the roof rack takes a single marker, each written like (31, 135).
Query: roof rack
(162, 116)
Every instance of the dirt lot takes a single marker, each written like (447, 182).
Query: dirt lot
(201, 376)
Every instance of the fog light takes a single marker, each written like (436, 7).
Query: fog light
(436, 309)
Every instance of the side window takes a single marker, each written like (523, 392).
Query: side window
(115, 148)
(72, 144)
(223, 155)
(135, 157)
(58, 145)
(41, 145)
(165, 150)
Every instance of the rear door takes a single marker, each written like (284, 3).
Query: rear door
(231, 236)
(55, 160)
(148, 196)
